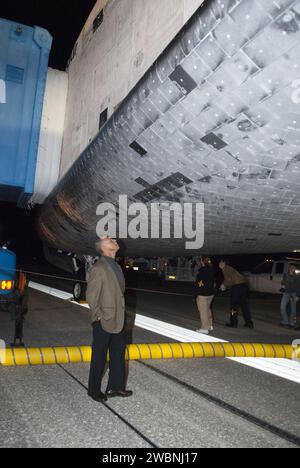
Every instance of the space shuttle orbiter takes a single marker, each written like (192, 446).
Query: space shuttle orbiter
(214, 120)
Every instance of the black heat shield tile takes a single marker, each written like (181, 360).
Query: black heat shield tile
(138, 148)
(165, 186)
(211, 139)
(183, 79)
(142, 182)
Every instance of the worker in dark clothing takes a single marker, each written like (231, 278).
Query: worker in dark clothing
(18, 306)
(290, 289)
(205, 292)
(238, 285)
(16, 313)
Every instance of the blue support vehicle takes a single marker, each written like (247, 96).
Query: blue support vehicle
(7, 276)
(13, 293)
(23, 72)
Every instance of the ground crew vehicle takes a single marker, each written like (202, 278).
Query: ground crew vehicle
(267, 277)
(7, 275)
(13, 293)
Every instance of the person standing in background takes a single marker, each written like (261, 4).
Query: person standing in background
(205, 292)
(238, 285)
(290, 288)
(19, 308)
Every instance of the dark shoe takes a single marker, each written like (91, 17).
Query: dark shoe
(249, 325)
(100, 398)
(17, 345)
(232, 325)
(119, 393)
(234, 321)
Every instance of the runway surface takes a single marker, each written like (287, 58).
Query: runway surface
(192, 403)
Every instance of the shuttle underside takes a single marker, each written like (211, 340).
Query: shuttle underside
(216, 120)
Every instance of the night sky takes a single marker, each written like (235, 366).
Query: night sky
(64, 19)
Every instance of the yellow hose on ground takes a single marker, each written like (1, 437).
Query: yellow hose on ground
(82, 354)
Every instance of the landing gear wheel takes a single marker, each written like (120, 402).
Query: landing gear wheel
(79, 290)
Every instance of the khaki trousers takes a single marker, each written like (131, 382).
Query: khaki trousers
(204, 307)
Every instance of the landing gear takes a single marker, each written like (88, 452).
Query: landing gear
(79, 291)
(79, 288)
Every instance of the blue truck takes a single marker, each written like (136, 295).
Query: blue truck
(7, 276)
(13, 293)
(23, 72)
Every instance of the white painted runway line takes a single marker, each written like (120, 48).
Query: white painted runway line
(51, 291)
(284, 368)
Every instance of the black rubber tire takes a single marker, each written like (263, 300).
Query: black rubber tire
(79, 291)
